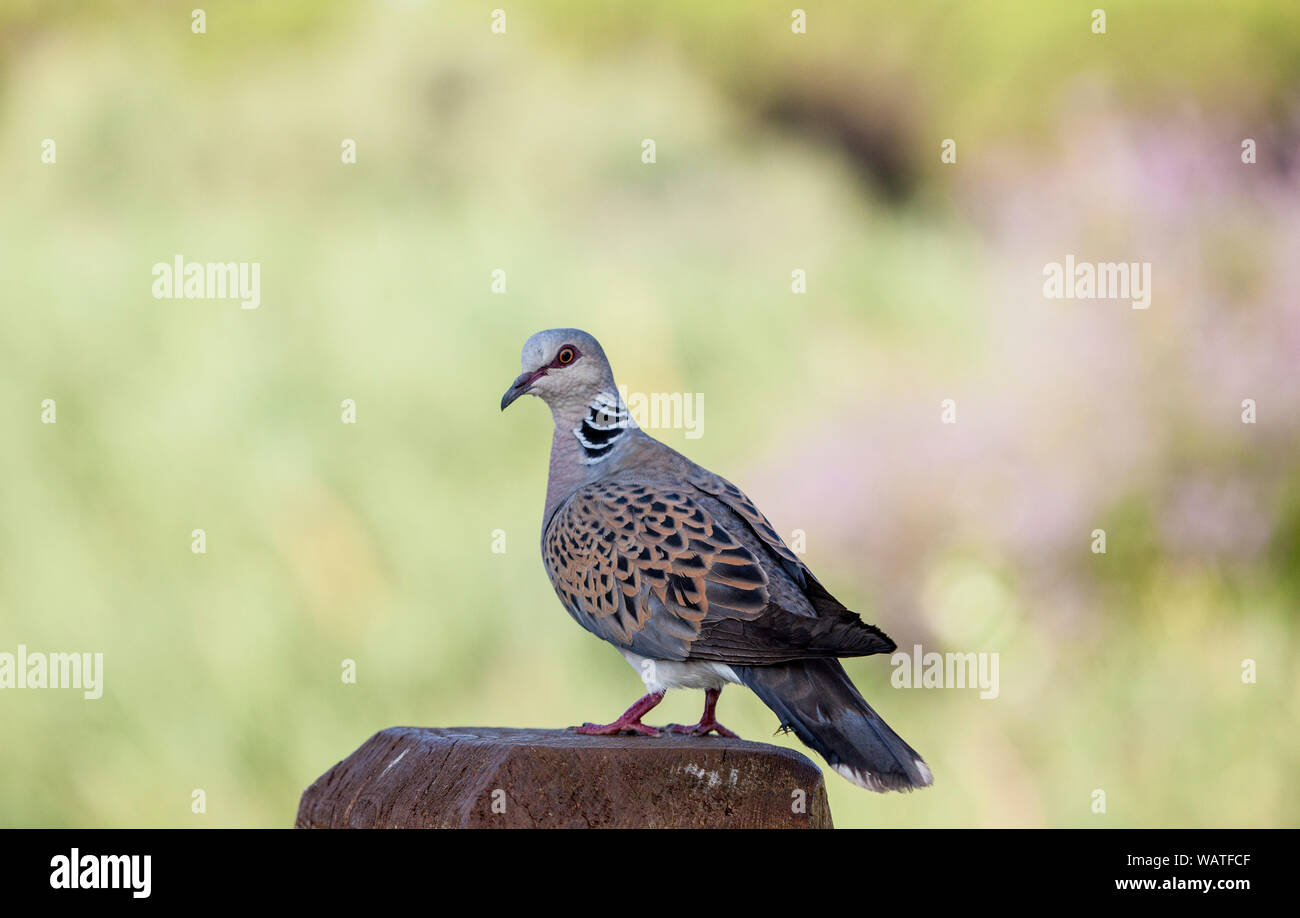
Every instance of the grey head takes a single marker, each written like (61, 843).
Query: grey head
(564, 367)
(567, 369)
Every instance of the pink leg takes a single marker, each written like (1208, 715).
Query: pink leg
(630, 722)
(708, 721)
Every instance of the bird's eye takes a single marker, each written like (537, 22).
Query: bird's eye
(566, 355)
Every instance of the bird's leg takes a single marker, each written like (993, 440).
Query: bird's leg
(708, 721)
(630, 722)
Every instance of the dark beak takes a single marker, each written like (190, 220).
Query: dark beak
(523, 382)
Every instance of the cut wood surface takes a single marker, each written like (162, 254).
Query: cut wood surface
(495, 777)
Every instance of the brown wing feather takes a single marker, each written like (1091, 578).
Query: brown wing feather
(824, 604)
(648, 568)
(740, 503)
(814, 623)
(643, 565)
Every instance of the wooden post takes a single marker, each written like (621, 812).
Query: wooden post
(493, 777)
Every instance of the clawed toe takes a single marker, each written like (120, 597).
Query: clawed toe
(630, 722)
(702, 729)
(617, 728)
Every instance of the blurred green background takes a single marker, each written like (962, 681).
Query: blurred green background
(522, 152)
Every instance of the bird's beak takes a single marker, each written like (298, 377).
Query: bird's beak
(523, 382)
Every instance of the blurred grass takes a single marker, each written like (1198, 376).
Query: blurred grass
(372, 542)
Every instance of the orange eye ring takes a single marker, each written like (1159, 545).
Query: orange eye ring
(566, 355)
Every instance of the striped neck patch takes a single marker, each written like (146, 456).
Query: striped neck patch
(606, 420)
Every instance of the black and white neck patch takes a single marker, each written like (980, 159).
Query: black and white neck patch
(607, 419)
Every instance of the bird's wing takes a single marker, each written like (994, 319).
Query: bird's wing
(649, 568)
(822, 603)
(740, 504)
(642, 566)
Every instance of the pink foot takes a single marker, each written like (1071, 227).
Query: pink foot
(703, 728)
(630, 722)
(617, 727)
(708, 721)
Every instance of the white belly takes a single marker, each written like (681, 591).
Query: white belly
(661, 675)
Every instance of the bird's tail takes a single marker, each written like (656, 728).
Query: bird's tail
(816, 699)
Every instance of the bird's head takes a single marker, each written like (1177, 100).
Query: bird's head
(564, 367)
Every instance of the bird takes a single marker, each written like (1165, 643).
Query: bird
(680, 571)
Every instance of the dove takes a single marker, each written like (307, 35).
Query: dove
(678, 569)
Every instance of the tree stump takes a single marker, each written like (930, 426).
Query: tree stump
(493, 777)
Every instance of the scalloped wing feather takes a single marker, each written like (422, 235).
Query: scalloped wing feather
(649, 568)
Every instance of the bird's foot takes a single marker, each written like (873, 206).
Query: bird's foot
(708, 720)
(630, 722)
(703, 728)
(619, 726)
